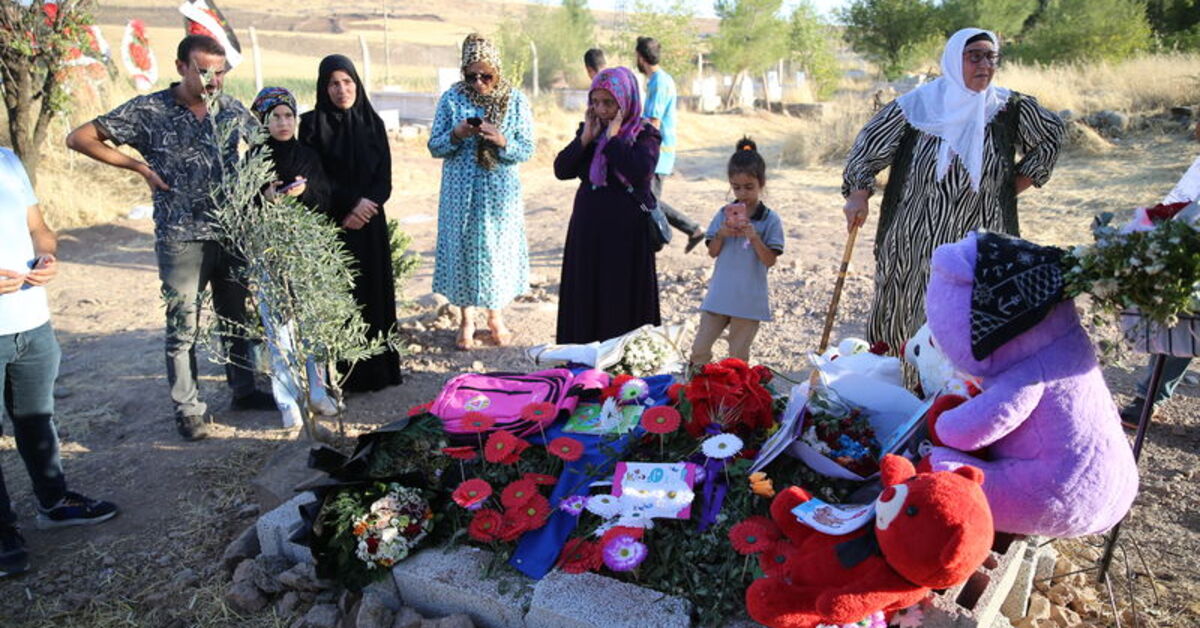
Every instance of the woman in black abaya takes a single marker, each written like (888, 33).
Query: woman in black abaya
(350, 138)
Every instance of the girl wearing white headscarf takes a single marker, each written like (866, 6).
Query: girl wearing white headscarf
(952, 146)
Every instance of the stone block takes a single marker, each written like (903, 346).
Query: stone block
(1017, 603)
(387, 593)
(319, 616)
(438, 583)
(277, 526)
(244, 597)
(407, 618)
(977, 602)
(284, 470)
(1046, 559)
(589, 600)
(243, 547)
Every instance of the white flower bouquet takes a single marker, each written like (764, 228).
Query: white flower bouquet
(1151, 265)
(393, 525)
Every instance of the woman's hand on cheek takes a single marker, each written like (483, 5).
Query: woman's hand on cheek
(591, 127)
(614, 126)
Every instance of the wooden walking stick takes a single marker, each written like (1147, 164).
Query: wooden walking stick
(831, 315)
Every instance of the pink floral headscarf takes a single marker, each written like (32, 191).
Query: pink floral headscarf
(623, 85)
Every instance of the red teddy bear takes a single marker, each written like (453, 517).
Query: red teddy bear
(932, 531)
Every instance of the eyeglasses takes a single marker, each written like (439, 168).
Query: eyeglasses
(978, 56)
(472, 77)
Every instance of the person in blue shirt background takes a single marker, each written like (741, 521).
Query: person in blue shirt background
(659, 111)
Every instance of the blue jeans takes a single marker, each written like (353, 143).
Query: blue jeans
(186, 268)
(28, 368)
(1173, 371)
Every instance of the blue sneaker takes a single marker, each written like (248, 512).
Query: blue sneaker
(75, 510)
(14, 559)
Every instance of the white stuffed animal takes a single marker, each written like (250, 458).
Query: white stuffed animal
(938, 376)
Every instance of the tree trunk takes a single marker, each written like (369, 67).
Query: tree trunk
(20, 121)
(733, 88)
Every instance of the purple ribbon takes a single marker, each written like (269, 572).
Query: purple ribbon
(715, 486)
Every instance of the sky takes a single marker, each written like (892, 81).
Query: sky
(704, 7)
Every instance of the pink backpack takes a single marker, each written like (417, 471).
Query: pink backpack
(503, 396)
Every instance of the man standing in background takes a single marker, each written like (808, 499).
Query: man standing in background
(660, 111)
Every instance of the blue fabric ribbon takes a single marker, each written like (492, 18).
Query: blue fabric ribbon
(538, 550)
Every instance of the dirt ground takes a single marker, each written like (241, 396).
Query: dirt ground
(157, 563)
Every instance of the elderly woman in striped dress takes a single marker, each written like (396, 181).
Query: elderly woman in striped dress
(952, 146)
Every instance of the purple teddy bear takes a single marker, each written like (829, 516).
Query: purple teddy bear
(1059, 464)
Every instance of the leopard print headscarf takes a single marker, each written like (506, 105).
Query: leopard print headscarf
(477, 48)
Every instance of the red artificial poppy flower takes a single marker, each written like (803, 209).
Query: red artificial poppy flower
(779, 559)
(614, 532)
(764, 374)
(472, 492)
(661, 420)
(674, 392)
(476, 422)
(541, 479)
(750, 537)
(465, 452)
(420, 409)
(532, 514)
(772, 530)
(504, 448)
(518, 493)
(512, 526)
(566, 448)
(542, 413)
(485, 527)
(731, 393)
(580, 555)
(614, 387)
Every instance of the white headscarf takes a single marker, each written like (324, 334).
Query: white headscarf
(947, 108)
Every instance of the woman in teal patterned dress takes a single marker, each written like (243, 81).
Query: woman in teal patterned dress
(483, 128)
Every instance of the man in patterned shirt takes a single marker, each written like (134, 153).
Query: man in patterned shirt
(172, 131)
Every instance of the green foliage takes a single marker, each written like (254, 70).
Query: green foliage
(561, 36)
(896, 35)
(1171, 18)
(1155, 271)
(751, 37)
(295, 266)
(1182, 40)
(404, 261)
(34, 49)
(672, 24)
(812, 48)
(1085, 30)
(1003, 17)
(415, 449)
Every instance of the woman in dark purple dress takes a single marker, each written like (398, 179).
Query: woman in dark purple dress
(609, 284)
